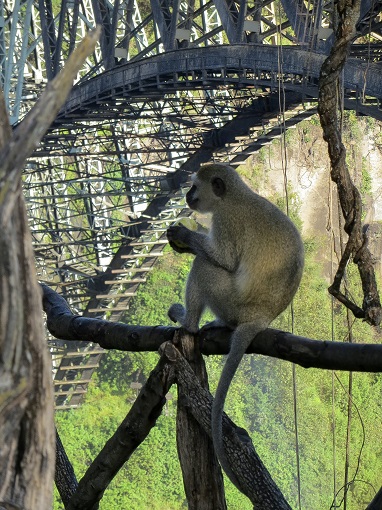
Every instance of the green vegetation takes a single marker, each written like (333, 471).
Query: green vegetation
(260, 400)
(261, 397)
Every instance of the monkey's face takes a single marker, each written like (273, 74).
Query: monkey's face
(205, 195)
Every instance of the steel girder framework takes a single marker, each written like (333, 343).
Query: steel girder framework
(171, 85)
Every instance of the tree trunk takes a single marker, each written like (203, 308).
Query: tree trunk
(26, 396)
(26, 393)
(202, 476)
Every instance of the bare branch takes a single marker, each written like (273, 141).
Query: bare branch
(29, 133)
(26, 393)
(376, 504)
(271, 342)
(202, 476)
(5, 127)
(349, 196)
(64, 476)
(64, 325)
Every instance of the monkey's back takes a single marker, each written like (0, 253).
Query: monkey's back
(271, 257)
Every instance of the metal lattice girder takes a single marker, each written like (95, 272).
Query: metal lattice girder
(172, 84)
(253, 66)
(36, 36)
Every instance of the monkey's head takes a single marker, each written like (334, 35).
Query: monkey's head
(210, 186)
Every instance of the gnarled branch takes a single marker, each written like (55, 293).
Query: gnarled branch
(349, 196)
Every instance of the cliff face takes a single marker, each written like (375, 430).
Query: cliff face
(306, 165)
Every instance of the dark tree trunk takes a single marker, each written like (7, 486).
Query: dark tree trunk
(26, 397)
(202, 476)
(26, 394)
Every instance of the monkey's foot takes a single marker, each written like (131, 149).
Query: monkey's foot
(176, 313)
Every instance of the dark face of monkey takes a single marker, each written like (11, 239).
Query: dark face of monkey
(195, 199)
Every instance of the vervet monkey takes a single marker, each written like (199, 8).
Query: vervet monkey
(246, 270)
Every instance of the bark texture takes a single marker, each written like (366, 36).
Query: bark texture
(26, 397)
(26, 394)
(202, 475)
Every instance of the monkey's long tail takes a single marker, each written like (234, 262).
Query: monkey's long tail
(241, 339)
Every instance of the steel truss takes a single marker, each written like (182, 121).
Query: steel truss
(172, 84)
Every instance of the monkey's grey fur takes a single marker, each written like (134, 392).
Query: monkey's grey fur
(246, 270)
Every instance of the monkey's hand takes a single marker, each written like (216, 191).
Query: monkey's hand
(178, 237)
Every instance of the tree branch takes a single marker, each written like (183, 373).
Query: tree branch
(5, 126)
(26, 393)
(256, 482)
(275, 343)
(376, 503)
(202, 476)
(27, 136)
(129, 435)
(30, 131)
(64, 476)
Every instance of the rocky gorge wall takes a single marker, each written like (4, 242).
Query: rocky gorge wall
(305, 162)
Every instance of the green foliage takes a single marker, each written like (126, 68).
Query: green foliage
(260, 400)
(366, 180)
(151, 478)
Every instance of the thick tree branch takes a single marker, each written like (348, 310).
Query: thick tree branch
(27, 136)
(5, 127)
(256, 482)
(30, 131)
(278, 344)
(376, 504)
(129, 435)
(202, 476)
(26, 396)
(64, 325)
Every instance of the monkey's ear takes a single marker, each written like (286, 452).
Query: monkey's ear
(218, 186)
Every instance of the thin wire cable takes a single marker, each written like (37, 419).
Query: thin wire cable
(281, 97)
(346, 488)
(350, 333)
(334, 430)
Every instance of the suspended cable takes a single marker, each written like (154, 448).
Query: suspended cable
(281, 97)
(346, 488)
(341, 96)
(332, 249)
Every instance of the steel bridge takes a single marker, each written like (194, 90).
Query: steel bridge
(172, 84)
